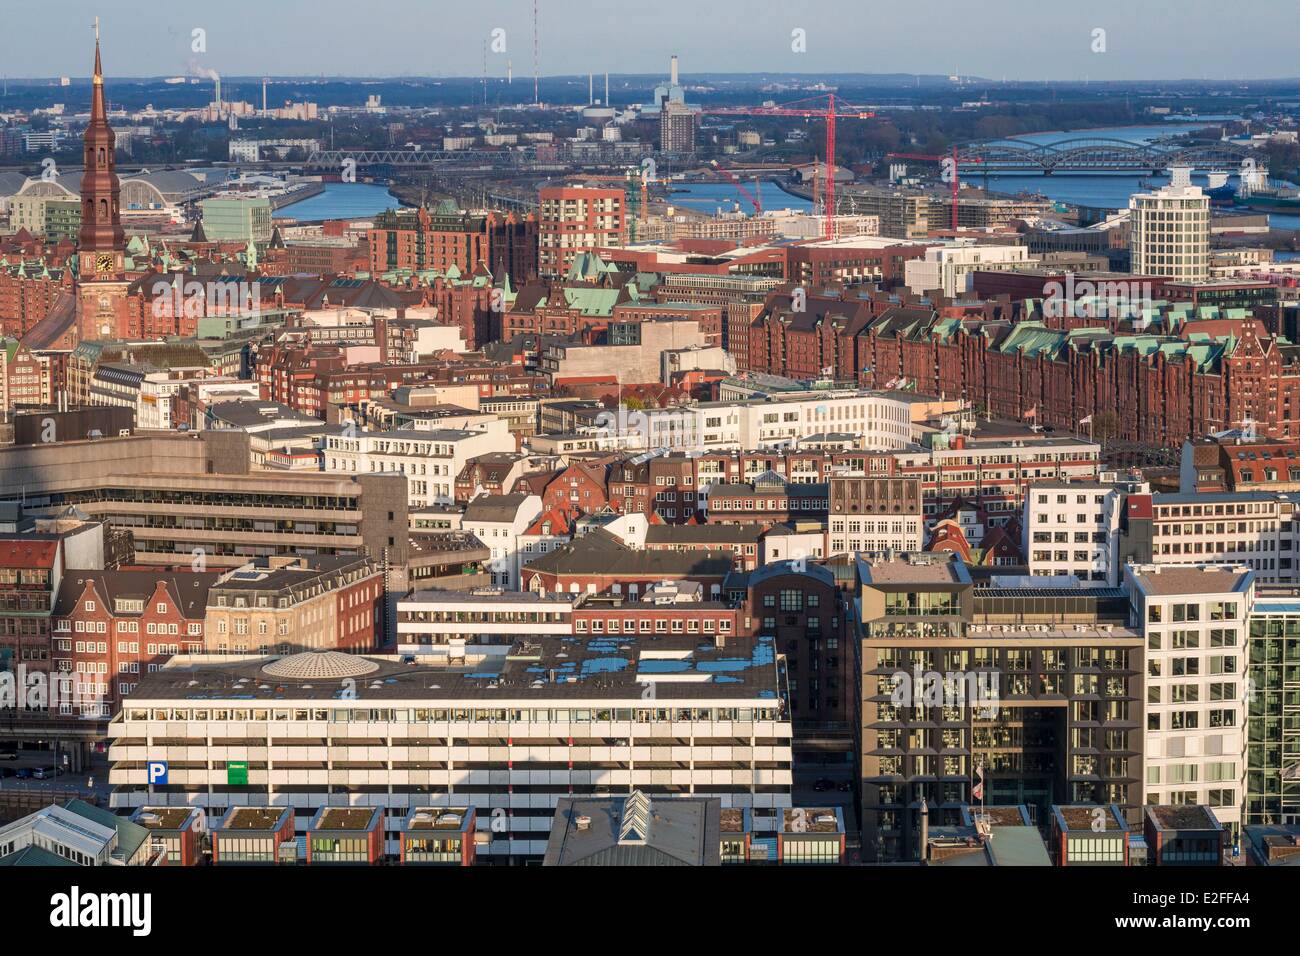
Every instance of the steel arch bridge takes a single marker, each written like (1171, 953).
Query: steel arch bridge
(1097, 154)
(460, 158)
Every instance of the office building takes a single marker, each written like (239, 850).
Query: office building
(1170, 230)
(1195, 622)
(1028, 689)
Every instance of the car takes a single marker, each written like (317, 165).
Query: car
(823, 784)
(846, 786)
(8, 772)
(8, 754)
(24, 773)
(42, 773)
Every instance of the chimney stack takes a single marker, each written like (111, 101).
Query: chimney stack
(672, 71)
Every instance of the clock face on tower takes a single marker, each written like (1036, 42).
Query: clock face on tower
(104, 263)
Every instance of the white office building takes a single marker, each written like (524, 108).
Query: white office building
(466, 626)
(1170, 230)
(951, 268)
(1194, 619)
(430, 458)
(879, 420)
(1072, 528)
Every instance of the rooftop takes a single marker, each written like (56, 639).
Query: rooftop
(601, 667)
(437, 818)
(254, 818)
(163, 818)
(635, 830)
(345, 818)
(914, 569)
(1183, 817)
(1165, 579)
(1087, 819)
(812, 820)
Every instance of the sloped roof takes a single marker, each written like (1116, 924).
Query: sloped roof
(56, 324)
(635, 831)
(553, 522)
(25, 552)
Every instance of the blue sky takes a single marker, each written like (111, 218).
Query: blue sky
(1018, 39)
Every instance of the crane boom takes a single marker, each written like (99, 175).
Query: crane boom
(735, 181)
(956, 176)
(830, 113)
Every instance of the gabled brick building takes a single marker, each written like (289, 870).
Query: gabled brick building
(112, 626)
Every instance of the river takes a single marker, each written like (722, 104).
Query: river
(340, 201)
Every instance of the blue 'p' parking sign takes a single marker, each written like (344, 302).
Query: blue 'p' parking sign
(156, 771)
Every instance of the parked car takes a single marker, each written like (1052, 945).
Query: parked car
(24, 773)
(8, 754)
(846, 786)
(823, 784)
(8, 772)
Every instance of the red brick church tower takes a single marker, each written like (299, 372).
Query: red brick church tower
(102, 285)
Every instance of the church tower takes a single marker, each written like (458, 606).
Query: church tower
(101, 253)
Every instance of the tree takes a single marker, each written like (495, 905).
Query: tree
(1105, 426)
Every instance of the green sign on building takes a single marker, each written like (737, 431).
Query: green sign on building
(237, 773)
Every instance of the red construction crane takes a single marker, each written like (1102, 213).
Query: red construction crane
(956, 177)
(829, 113)
(754, 200)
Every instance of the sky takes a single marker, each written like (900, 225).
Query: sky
(1013, 39)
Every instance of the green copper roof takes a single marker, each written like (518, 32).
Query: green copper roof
(591, 301)
(1032, 339)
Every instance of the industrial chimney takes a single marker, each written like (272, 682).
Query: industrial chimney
(672, 71)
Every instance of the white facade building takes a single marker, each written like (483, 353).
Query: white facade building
(1073, 528)
(951, 268)
(1254, 528)
(465, 626)
(1170, 234)
(430, 459)
(553, 718)
(499, 521)
(881, 421)
(1194, 619)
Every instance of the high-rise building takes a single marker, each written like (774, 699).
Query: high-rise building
(101, 256)
(576, 219)
(1013, 692)
(1194, 619)
(676, 128)
(1271, 658)
(1170, 234)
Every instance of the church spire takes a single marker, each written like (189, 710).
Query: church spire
(101, 246)
(101, 224)
(97, 106)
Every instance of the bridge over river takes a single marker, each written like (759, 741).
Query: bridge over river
(1099, 154)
